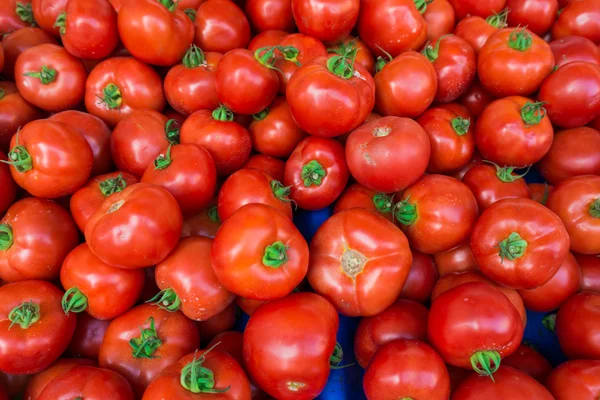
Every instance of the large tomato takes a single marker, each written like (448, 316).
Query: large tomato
(490, 183)
(328, 21)
(440, 18)
(357, 195)
(38, 382)
(359, 279)
(579, 18)
(88, 336)
(265, 15)
(590, 271)
(578, 326)
(577, 379)
(45, 13)
(458, 259)
(476, 30)
(527, 360)
(422, 277)
(537, 15)
(17, 42)
(221, 26)
(574, 48)
(15, 112)
(481, 8)
(15, 15)
(9, 188)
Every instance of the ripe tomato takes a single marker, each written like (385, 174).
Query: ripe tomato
(267, 15)
(205, 223)
(88, 336)
(135, 228)
(9, 188)
(476, 30)
(15, 15)
(15, 112)
(476, 99)
(440, 18)
(529, 361)
(578, 326)
(17, 42)
(222, 322)
(258, 253)
(221, 26)
(118, 86)
(577, 202)
(357, 195)
(463, 8)
(35, 237)
(519, 243)
(326, 20)
(421, 278)
(330, 96)
(305, 48)
(45, 13)
(490, 183)
(89, 383)
(569, 94)
(406, 86)
(458, 259)
(590, 272)
(579, 18)
(248, 306)
(268, 38)
(230, 342)
(574, 48)
(474, 325)
(364, 56)
(577, 379)
(537, 15)
(272, 166)
(373, 165)
(43, 330)
(293, 361)
(540, 192)
(348, 271)
(38, 382)
(404, 319)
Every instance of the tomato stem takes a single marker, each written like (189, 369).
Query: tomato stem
(74, 301)
(61, 23)
(198, 379)
(112, 185)
(505, 174)
(194, 57)
(336, 358)
(344, 48)
(172, 131)
(46, 75)
(25, 12)
(20, 159)
(433, 52)
(383, 203)
(266, 55)
(353, 262)
(512, 247)
(169, 4)
(485, 363)
(343, 65)
(422, 5)
(163, 160)
(549, 321)
(191, 13)
(405, 212)
(533, 113)
(275, 255)
(382, 61)
(111, 96)
(214, 215)
(520, 40)
(546, 194)
(595, 209)
(461, 125)
(146, 345)
(313, 173)
(2, 93)
(166, 299)
(280, 191)
(222, 113)
(6, 237)
(24, 315)
(261, 115)
(498, 20)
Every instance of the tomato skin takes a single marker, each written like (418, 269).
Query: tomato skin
(17, 42)
(364, 56)
(408, 76)
(540, 192)
(267, 15)
(328, 21)
(546, 237)
(272, 166)
(529, 361)
(574, 48)
(579, 18)
(45, 13)
(569, 94)
(270, 361)
(476, 99)
(488, 188)
(575, 379)
(135, 228)
(572, 201)
(537, 15)
(39, 381)
(371, 163)
(33, 349)
(422, 277)
(357, 195)
(88, 336)
(230, 342)
(477, 30)
(9, 188)
(463, 8)
(221, 26)
(440, 18)
(347, 271)
(223, 321)
(308, 47)
(458, 259)
(10, 20)
(404, 319)
(578, 325)
(15, 113)
(590, 272)
(248, 306)
(206, 223)
(269, 38)
(91, 382)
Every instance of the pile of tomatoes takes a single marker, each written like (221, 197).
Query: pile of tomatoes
(158, 159)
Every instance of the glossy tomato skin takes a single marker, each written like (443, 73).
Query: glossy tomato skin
(135, 228)
(579, 18)
(477, 30)
(45, 13)
(440, 18)
(267, 15)
(222, 322)
(308, 48)
(579, 379)
(357, 195)
(527, 360)
(88, 337)
(17, 42)
(221, 26)
(11, 20)
(363, 54)
(590, 272)
(488, 188)
(9, 188)
(39, 381)
(91, 382)
(271, 165)
(532, 264)
(422, 277)
(578, 326)
(537, 15)
(269, 38)
(574, 48)
(328, 21)
(28, 350)
(347, 271)
(205, 223)
(293, 362)
(575, 201)
(404, 319)
(15, 113)
(475, 99)
(458, 259)
(463, 8)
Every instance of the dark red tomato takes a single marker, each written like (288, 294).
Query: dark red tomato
(259, 254)
(15, 112)
(50, 78)
(222, 322)
(519, 243)
(464, 8)
(406, 86)
(357, 278)
(357, 195)
(17, 42)
(307, 47)
(9, 188)
(422, 277)
(364, 56)
(267, 15)
(268, 38)
(537, 15)
(477, 30)
(205, 223)
(184, 5)
(474, 325)
(45, 13)
(36, 236)
(221, 26)
(458, 259)
(90, 383)
(570, 94)
(88, 336)
(230, 342)
(330, 96)
(440, 18)
(373, 165)
(404, 319)
(292, 362)
(579, 18)
(578, 326)
(14, 15)
(135, 228)
(577, 202)
(272, 166)
(573, 152)
(590, 271)
(88, 29)
(527, 360)
(118, 86)
(451, 137)
(490, 183)
(540, 191)
(574, 48)
(476, 99)
(577, 379)
(509, 383)
(39, 381)
(248, 305)
(514, 131)
(228, 142)
(34, 329)
(12, 386)
(326, 20)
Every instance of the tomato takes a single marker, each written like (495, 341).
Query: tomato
(577, 379)
(490, 183)
(45, 13)
(88, 336)
(330, 96)
(118, 86)
(364, 56)
(39, 381)
(17, 42)
(272, 166)
(43, 332)
(373, 165)
(223, 321)
(440, 18)
(205, 223)
(529, 361)
(479, 8)
(577, 202)
(90, 383)
(578, 326)
(293, 361)
(570, 92)
(265, 15)
(475, 99)
(537, 15)
(421, 278)
(328, 21)
(357, 195)
(228, 142)
(8, 185)
(474, 325)
(88, 29)
(406, 86)
(306, 48)
(221, 26)
(514, 131)
(509, 383)
(15, 113)
(574, 48)
(458, 259)
(15, 15)
(50, 78)
(404, 319)
(258, 253)
(579, 18)
(519, 243)
(268, 38)
(248, 306)
(135, 228)
(540, 192)
(590, 271)
(230, 342)
(347, 270)
(476, 30)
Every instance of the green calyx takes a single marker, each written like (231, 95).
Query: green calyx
(382, 61)
(383, 203)
(290, 53)
(198, 379)
(194, 57)
(46, 75)
(344, 48)
(342, 65)
(172, 131)
(266, 55)
(549, 321)
(112, 185)
(214, 215)
(595, 208)
(405, 212)
(486, 363)
(166, 299)
(460, 125)
(191, 13)
(2, 93)
(336, 358)
(111, 96)
(280, 191)
(6, 237)
(498, 20)
(520, 40)
(222, 113)
(169, 4)
(433, 52)
(261, 115)
(19, 158)
(313, 173)
(25, 13)
(533, 113)
(74, 301)
(512, 247)
(505, 174)
(275, 255)
(163, 160)
(146, 345)
(422, 5)
(61, 22)
(24, 315)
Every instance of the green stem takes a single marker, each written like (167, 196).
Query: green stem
(2, 93)
(20, 159)
(275, 255)
(6, 237)
(191, 13)
(313, 173)
(486, 363)
(112, 185)
(214, 215)
(512, 247)
(336, 358)
(382, 61)
(61, 23)
(111, 96)
(261, 115)
(280, 191)
(169, 4)
(343, 65)
(549, 321)
(194, 57)
(505, 174)
(166, 299)
(163, 160)
(25, 13)
(24, 315)
(498, 20)
(222, 113)
(198, 379)
(46, 75)
(74, 301)
(290, 53)
(433, 52)
(422, 5)
(146, 345)
(383, 203)
(595, 209)
(520, 40)
(460, 125)
(546, 194)
(405, 212)
(266, 56)
(172, 131)
(533, 113)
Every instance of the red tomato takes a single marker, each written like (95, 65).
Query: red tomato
(578, 326)
(537, 15)
(206, 223)
(476, 30)
(330, 96)
(88, 336)
(574, 48)
(267, 15)
(39, 381)
(230, 342)
(43, 330)
(519, 243)
(248, 305)
(293, 361)
(406, 86)
(222, 322)
(440, 18)
(359, 279)
(579, 18)
(373, 165)
(527, 360)
(15, 15)
(15, 112)
(36, 236)
(458, 259)
(364, 56)
(577, 202)
(328, 21)
(590, 271)
(272, 166)
(474, 325)
(305, 48)
(540, 192)
(577, 379)
(258, 253)
(422, 277)
(490, 183)
(475, 99)
(89, 383)
(356, 195)
(118, 86)
(9, 188)
(221, 26)
(17, 42)
(479, 8)
(404, 319)
(570, 94)
(268, 38)
(45, 13)
(135, 228)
